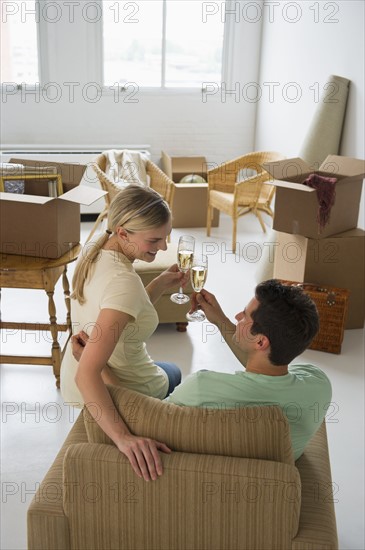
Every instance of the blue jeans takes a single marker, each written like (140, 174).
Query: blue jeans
(174, 375)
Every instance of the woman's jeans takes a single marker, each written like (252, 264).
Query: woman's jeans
(174, 375)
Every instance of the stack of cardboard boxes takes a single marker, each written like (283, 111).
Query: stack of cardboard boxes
(335, 256)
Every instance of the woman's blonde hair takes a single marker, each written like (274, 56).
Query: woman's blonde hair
(136, 209)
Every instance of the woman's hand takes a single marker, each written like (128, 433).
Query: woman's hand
(171, 278)
(142, 453)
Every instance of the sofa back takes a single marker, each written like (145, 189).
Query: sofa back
(260, 432)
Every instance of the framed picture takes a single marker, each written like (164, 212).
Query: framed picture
(15, 183)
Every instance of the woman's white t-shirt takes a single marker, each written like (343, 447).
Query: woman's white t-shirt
(113, 284)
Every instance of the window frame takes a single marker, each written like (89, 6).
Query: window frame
(227, 53)
(42, 58)
(93, 58)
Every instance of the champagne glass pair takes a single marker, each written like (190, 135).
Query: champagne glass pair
(198, 265)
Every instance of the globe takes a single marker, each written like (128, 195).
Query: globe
(192, 178)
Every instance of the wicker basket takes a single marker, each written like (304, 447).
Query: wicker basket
(332, 304)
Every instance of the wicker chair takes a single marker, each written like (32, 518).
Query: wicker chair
(237, 198)
(159, 182)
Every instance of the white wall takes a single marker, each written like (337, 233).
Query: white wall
(306, 53)
(179, 122)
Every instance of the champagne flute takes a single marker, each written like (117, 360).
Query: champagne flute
(198, 276)
(185, 251)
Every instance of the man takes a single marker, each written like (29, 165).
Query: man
(276, 326)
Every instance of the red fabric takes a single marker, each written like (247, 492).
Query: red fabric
(326, 195)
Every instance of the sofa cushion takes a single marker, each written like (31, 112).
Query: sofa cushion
(163, 260)
(249, 432)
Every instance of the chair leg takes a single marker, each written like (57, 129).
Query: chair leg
(181, 327)
(209, 219)
(258, 214)
(266, 208)
(234, 235)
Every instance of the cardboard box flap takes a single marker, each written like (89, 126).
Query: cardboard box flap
(192, 164)
(33, 199)
(175, 167)
(290, 185)
(71, 173)
(343, 166)
(166, 164)
(288, 168)
(83, 195)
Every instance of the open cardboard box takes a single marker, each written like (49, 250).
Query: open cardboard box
(35, 224)
(335, 261)
(190, 200)
(296, 205)
(178, 167)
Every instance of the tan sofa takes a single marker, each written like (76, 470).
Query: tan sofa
(230, 483)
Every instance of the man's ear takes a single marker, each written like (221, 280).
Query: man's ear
(262, 343)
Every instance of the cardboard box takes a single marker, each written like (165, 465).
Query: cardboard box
(178, 167)
(189, 208)
(190, 200)
(35, 224)
(296, 205)
(335, 261)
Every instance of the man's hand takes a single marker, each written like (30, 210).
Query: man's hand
(78, 342)
(210, 305)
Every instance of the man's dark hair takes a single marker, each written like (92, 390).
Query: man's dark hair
(287, 316)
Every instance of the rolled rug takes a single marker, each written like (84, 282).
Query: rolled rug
(324, 134)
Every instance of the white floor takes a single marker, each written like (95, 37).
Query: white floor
(35, 420)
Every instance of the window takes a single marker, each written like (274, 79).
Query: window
(161, 43)
(19, 44)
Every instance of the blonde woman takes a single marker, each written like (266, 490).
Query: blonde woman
(110, 304)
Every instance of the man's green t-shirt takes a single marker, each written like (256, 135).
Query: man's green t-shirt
(304, 394)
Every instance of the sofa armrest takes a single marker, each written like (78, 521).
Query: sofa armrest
(317, 526)
(256, 502)
(46, 521)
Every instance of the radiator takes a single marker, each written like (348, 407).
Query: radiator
(82, 154)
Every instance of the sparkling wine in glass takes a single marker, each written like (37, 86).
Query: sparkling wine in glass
(198, 276)
(185, 251)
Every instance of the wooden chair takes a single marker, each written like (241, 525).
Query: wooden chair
(237, 198)
(158, 181)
